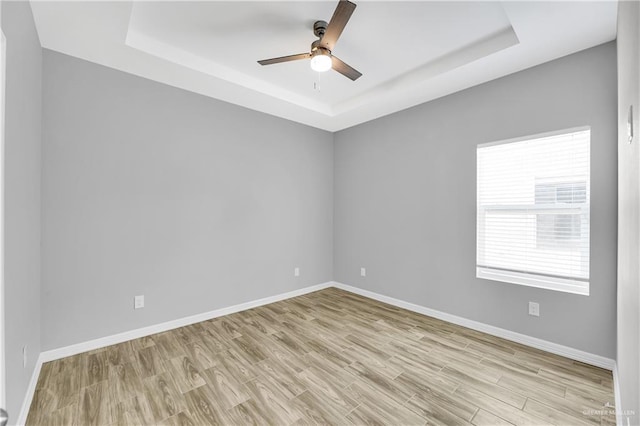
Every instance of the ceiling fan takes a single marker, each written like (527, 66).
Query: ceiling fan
(328, 34)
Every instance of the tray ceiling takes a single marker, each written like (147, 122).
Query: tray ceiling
(408, 52)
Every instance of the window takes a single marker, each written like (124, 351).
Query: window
(533, 211)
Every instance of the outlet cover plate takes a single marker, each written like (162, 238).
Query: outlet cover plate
(138, 302)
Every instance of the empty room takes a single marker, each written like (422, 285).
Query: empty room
(320, 212)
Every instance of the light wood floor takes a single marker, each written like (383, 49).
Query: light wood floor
(329, 357)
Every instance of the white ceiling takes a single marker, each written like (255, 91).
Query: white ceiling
(409, 52)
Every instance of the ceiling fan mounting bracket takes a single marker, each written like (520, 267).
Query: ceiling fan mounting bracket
(319, 28)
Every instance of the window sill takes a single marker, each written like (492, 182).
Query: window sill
(532, 280)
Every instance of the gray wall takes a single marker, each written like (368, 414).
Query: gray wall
(195, 203)
(405, 194)
(22, 198)
(629, 209)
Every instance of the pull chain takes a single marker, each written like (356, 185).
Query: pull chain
(316, 84)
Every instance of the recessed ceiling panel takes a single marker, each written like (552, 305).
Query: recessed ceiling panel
(383, 40)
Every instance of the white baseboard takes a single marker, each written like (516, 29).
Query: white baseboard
(555, 348)
(28, 397)
(576, 354)
(114, 339)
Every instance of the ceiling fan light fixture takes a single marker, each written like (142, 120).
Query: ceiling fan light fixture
(321, 60)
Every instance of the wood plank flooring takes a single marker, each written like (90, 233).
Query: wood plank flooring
(329, 357)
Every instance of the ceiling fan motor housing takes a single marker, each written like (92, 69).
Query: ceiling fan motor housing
(316, 49)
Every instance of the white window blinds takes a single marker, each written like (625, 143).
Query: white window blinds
(533, 211)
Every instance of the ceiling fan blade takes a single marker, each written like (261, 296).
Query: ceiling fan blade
(285, 59)
(338, 21)
(345, 69)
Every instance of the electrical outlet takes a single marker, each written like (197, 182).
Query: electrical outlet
(138, 302)
(363, 272)
(24, 356)
(534, 309)
(296, 272)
